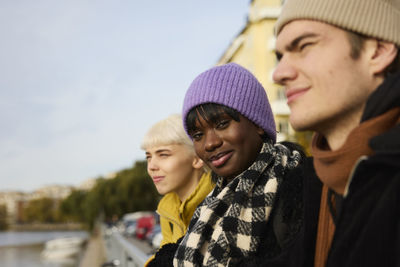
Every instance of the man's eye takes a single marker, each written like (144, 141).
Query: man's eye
(164, 155)
(278, 56)
(303, 46)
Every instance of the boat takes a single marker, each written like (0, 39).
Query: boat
(62, 248)
(64, 242)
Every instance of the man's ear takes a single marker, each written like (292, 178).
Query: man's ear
(197, 163)
(382, 55)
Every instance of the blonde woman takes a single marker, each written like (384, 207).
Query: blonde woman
(178, 174)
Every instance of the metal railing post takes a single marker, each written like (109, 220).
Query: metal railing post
(118, 248)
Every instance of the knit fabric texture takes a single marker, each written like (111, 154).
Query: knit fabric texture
(231, 222)
(373, 18)
(235, 87)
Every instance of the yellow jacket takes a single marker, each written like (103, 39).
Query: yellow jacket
(175, 215)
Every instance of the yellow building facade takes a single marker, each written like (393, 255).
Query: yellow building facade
(254, 49)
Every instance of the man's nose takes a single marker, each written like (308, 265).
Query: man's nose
(284, 71)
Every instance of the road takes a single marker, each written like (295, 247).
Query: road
(142, 245)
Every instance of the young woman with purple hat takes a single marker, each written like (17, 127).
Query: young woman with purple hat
(255, 214)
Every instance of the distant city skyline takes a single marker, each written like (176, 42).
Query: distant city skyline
(82, 81)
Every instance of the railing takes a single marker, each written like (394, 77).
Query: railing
(121, 252)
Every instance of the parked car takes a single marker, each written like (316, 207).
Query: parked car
(155, 237)
(156, 229)
(156, 242)
(130, 228)
(133, 216)
(129, 221)
(144, 226)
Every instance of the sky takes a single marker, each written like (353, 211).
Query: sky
(81, 81)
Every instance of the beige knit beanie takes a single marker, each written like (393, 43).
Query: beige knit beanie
(374, 18)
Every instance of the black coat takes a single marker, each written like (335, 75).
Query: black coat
(368, 224)
(299, 251)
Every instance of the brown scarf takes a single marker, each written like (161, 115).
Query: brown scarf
(334, 167)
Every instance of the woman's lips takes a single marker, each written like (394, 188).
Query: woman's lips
(220, 159)
(292, 94)
(157, 179)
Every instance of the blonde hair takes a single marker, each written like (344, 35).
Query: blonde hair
(168, 131)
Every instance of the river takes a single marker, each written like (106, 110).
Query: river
(22, 249)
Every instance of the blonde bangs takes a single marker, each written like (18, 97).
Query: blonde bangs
(167, 132)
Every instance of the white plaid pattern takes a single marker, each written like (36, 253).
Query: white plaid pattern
(224, 227)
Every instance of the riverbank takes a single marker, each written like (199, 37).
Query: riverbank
(46, 227)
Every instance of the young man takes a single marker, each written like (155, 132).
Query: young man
(339, 64)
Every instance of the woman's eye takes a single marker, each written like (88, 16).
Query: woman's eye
(222, 124)
(196, 136)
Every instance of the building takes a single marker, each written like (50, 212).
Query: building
(15, 201)
(51, 191)
(254, 49)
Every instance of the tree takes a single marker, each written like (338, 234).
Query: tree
(3, 217)
(131, 190)
(42, 210)
(71, 207)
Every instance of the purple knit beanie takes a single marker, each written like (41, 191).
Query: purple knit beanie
(235, 87)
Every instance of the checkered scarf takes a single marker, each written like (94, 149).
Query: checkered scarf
(231, 221)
